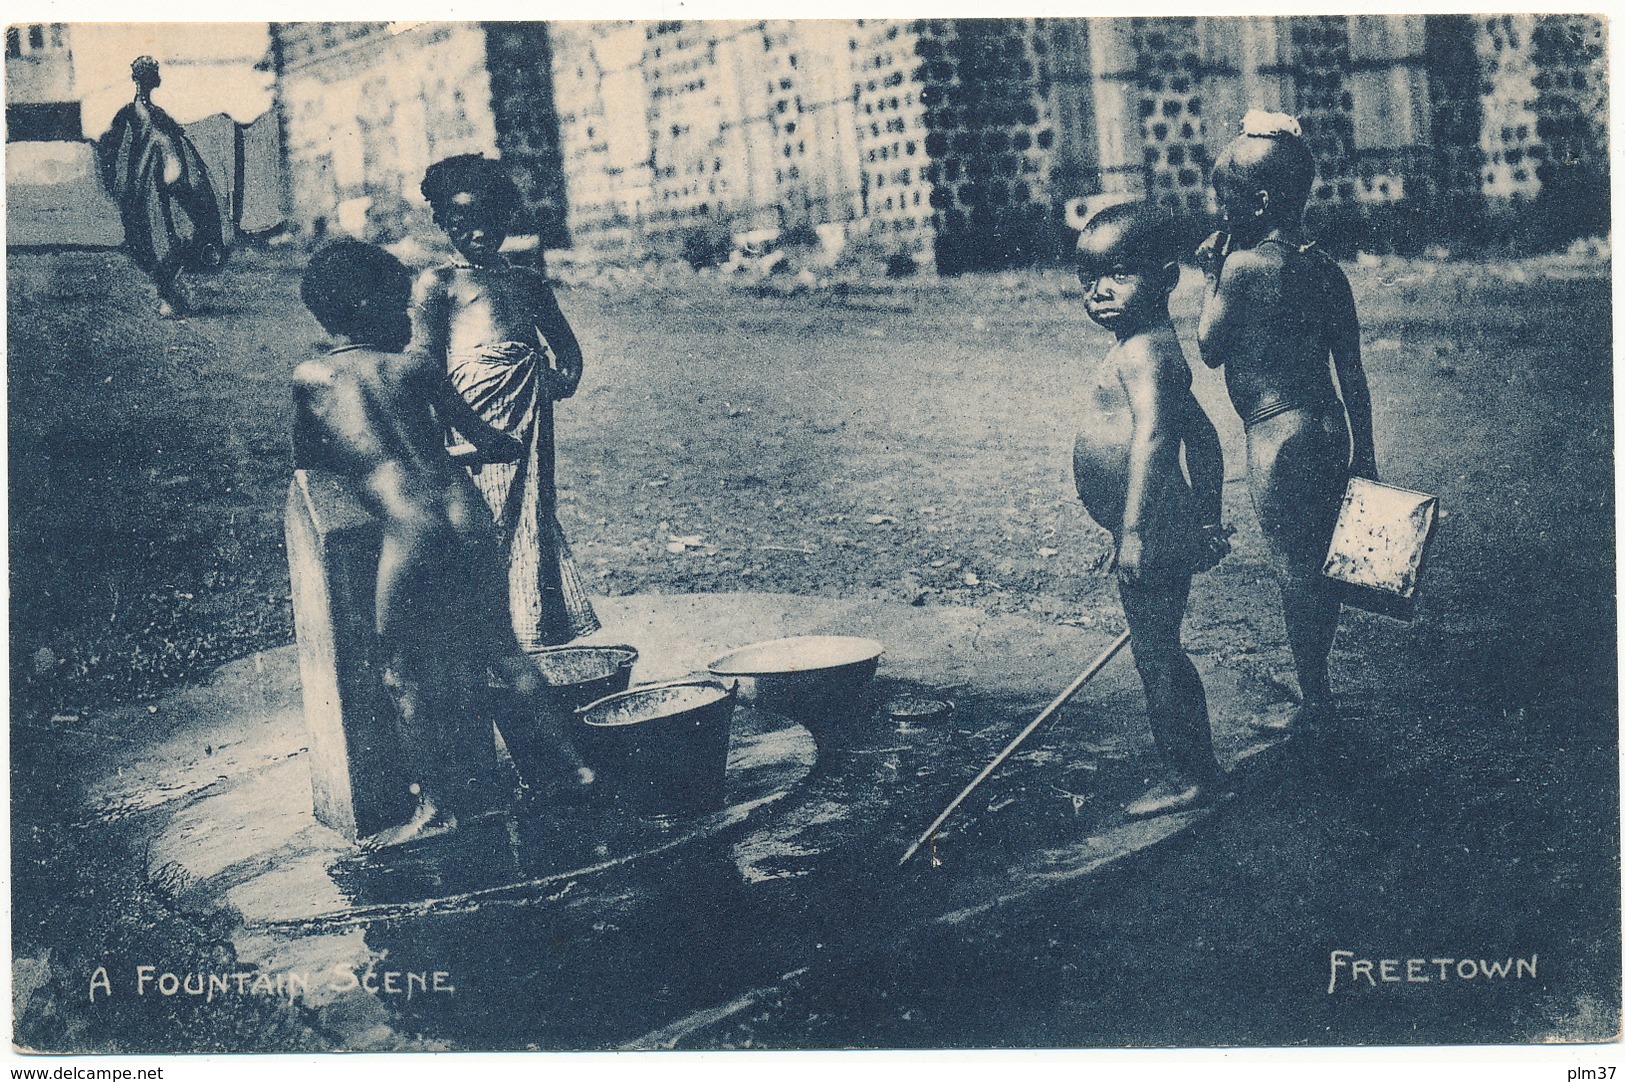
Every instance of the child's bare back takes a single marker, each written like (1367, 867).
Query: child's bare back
(1279, 312)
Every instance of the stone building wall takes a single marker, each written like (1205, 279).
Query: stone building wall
(1509, 138)
(1543, 139)
(958, 143)
(366, 110)
(604, 140)
(894, 143)
(990, 138)
(1456, 122)
(1571, 110)
(678, 135)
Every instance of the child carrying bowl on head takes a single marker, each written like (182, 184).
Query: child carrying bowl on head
(1276, 310)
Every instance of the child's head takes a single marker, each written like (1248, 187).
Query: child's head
(474, 201)
(361, 292)
(1128, 263)
(144, 71)
(1262, 179)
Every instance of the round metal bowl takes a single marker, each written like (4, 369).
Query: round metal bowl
(662, 749)
(817, 680)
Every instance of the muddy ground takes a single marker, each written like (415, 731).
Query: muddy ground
(911, 442)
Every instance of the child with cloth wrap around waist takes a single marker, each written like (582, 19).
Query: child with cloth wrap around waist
(509, 354)
(1276, 310)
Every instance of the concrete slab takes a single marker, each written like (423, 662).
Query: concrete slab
(801, 862)
(54, 196)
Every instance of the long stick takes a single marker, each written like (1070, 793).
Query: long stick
(1060, 701)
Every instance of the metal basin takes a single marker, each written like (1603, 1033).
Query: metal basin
(580, 675)
(663, 749)
(817, 680)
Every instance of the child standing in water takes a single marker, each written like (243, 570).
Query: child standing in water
(366, 413)
(507, 350)
(1276, 308)
(1137, 416)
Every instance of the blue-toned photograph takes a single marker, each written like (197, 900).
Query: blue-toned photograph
(799, 534)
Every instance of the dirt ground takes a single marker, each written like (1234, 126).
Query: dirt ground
(911, 442)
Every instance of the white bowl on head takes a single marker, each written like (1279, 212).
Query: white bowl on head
(817, 680)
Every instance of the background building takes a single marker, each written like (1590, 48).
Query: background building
(959, 143)
(65, 82)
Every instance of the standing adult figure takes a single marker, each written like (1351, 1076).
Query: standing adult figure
(172, 221)
(509, 353)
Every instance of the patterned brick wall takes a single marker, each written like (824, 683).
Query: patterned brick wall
(1325, 102)
(598, 90)
(956, 141)
(519, 59)
(1064, 68)
(1510, 137)
(1173, 135)
(1457, 119)
(747, 126)
(990, 137)
(1571, 107)
(893, 140)
(1390, 117)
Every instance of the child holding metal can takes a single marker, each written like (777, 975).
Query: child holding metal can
(1276, 309)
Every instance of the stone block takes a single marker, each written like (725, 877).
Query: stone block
(359, 783)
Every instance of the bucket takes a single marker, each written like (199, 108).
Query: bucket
(576, 675)
(662, 749)
(579, 675)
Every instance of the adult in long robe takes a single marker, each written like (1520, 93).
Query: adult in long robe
(171, 218)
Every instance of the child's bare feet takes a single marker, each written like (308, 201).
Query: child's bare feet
(1172, 797)
(1310, 716)
(428, 821)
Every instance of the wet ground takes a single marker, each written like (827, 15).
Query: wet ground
(894, 446)
(600, 924)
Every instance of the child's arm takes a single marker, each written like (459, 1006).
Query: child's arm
(555, 331)
(1351, 375)
(1204, 463)
(431, 318)
(431, 331)
(1237, 287)
(1153, 384)
(485, 443)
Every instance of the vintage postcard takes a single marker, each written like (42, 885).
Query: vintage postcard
(802, 534)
